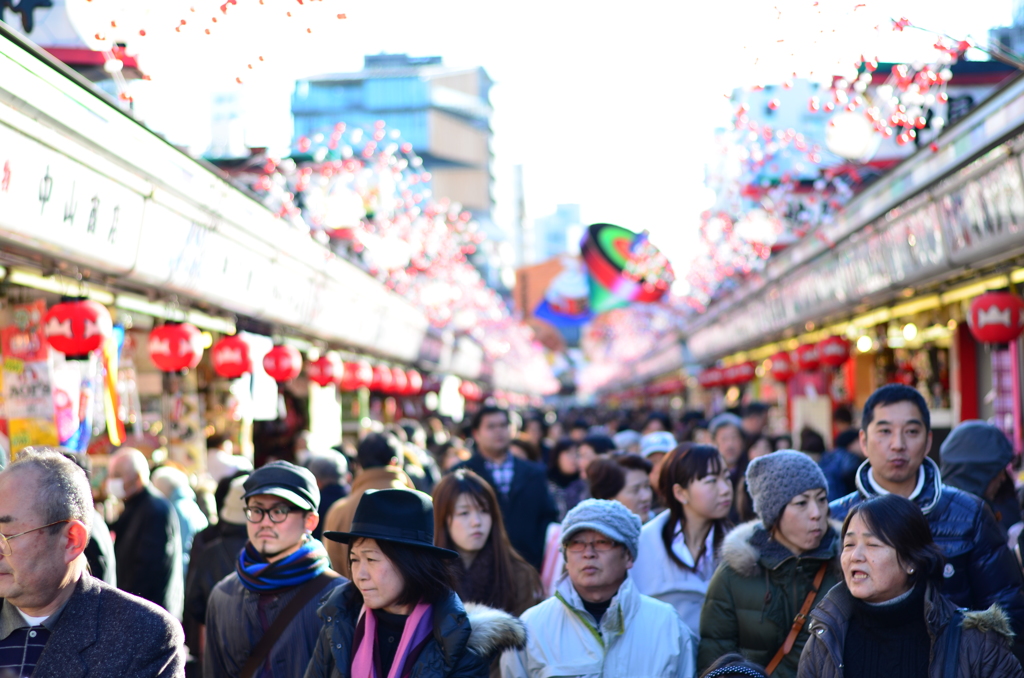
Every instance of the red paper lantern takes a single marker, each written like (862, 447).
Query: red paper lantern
(782, 367)
(231, 357)
(282, 363)
(381, 379)
(77, 327)
(323, 371)
(356, 375)
(738, 374)
(833, 351)
(415, 382)
(996, 317)
(470, 391)
(399, 382)
(807, 357)
(176, 346)
(711, 377)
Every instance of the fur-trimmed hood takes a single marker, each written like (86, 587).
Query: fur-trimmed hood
(493, 631)
(749, 547)
(992, 620)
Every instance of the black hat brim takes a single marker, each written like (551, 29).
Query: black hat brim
(349, 537)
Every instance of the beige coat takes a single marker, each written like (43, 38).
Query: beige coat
(339, 516)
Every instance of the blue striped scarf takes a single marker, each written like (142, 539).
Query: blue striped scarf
(260, 576)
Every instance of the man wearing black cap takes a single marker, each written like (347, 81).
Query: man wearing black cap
(261, 619)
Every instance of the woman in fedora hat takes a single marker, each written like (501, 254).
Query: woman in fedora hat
(400, 615)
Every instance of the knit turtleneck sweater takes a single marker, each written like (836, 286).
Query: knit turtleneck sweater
(890, 639)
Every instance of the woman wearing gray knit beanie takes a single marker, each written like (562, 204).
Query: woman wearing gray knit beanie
(774, 569)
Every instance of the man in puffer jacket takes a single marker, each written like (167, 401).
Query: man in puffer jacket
(980, 569)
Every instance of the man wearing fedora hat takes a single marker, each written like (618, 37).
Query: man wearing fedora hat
(261, 619)
(400, 615)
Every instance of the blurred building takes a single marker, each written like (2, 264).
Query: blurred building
(557, 233)
(444, 112)
(1011, 37)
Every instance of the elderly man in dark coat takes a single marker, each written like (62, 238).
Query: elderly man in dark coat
(56, 620)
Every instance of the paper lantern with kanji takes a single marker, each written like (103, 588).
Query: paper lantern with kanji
(738, 374)
(711, 377)
(77, 326)
(399, 382)
(282, 363)
(323, 371)
(381, 381)
(415, 381)
(782, 367)
(807, 357)
(996, 317)
(231, 357)
(356, 375)
(833, 351)
(176, 346)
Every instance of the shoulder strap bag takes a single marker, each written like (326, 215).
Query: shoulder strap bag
(266, 643)
(798, 621)
(952, 658)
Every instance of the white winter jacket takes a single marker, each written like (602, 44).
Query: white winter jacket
(656, 575)
(638, 637)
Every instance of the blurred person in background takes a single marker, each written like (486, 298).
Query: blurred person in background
(99, 553)
(379, 468)
(563, 471)
(887, 617)
(593, 446)
(654, 447)
(332, 478)
(623, 478)
(772, 568)
(450, 454)
(148, 537)
(525, 450)
(535, 431)
(755, 419)
(579, 430)
(783, 442)
(221, 460)
(521, 486)
(656, 421)
(812, 443)
(759, 446)
(975, 456)
(679, 548)
(627, 441)
(173, 484)
(840, 465)
(727, 435)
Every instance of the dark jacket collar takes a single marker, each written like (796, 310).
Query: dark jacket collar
(930, 494)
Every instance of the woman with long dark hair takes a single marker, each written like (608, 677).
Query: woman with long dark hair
(400, 615)
(563, 472)
(679, 547)
(887, 617)
(468, 520)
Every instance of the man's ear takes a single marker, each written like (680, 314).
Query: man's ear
(76, 538)
(312, 520)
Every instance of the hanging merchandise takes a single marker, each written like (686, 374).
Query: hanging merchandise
(27, 383)
(324, 371)
(283, 363)
(807, 357)
(996, 317)
(231, 357)
(356, 375)
(381, 379)
(833, 351)
(76, 327)
(782, 367)
(176, 346)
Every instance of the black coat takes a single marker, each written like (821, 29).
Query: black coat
(980, 569)
(103, 632)
(100, 551)
(213, 558)
(463, 643)
(528, 508)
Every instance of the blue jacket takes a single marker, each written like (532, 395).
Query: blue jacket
(980, 569)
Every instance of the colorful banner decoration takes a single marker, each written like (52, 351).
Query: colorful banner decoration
(566, 302)
(27, 386)
(624, 268)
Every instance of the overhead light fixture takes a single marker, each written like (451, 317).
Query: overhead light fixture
(131, 302)
(864, 344)
(58, 285)
(910, 331)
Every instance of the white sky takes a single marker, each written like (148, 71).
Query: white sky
(609, 105)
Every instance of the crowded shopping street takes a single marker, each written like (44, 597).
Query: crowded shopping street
(343, 339)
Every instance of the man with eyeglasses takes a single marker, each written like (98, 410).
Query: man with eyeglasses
(57, 620)
(597, 623)
(261, 620)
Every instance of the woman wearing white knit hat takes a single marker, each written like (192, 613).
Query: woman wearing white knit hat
(773, 569)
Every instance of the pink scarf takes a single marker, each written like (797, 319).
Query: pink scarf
(417, 627)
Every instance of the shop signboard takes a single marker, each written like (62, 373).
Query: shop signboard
(984, 215)
(27, 383)
(49, 201)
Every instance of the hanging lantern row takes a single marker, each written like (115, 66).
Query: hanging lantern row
(471, 391)
(996, 317)
(830, 352)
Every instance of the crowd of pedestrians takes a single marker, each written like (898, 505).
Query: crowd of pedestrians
(529, 545)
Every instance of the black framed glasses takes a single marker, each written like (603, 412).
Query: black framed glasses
(278, 513)
(5, 541)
